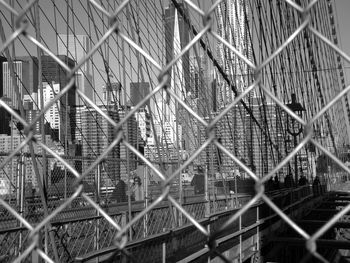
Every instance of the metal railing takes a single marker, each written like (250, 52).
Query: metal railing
(192, 244)
(78, 231)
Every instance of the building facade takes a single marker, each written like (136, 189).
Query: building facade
(52, 72)
(76, 47)
(129, 161)
(26, 75)
(138, 91)
(98, 134)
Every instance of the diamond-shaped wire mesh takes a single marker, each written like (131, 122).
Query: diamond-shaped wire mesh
(224, 144)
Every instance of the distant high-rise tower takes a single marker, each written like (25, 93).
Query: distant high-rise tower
(52, 72)
(5, 117)
(138, 90)
(26, 75)
(2, 60)
(98, 134)
(130, 128)
(113, 94)
(52, 115)
(176, 38)
(233, 17)
(200, 88)
(214, 95)
(76, 47)
(232, 20)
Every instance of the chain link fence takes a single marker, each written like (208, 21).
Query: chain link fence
(61, 204)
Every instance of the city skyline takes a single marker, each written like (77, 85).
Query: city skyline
(192, 80)
(201, 136)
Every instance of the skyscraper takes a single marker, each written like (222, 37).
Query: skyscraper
(232, 19)
(2, 60)
(8, 87)
(31, 76)
(131, 134)
(52, 115)
(83, 81)
(138, 91)
(199, 85)
(144, 124)
(76, 47)
(113, 94)
(26, 75)
(52, 72)
(4, 115)
(176, 38)
(98, 134)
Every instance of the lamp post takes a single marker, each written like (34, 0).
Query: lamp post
(294, 128)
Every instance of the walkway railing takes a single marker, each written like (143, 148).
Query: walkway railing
(79, 231)
(166, 245)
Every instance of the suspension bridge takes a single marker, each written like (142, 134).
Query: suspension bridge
(173, 131)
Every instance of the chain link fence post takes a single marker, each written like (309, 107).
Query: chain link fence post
(206, 193)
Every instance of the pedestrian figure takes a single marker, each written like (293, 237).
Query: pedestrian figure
(270, 184)
(288, 181)
(302, 180)
(119, 192)
(316, 186)
(276, 183)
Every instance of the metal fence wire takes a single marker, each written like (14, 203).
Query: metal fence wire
(220, 105)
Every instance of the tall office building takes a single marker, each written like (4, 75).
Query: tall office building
(131, 134)
(200, 85)
(52, 115)
(76, 47)
(214, 98)
(232, 19)
(144, 124)
(176, 38)
(79, 137)
(9, 174)
(2, 60)
(201, 98)
(5, 117)
(113, 94)
(9, 90)
(30, 116)
(209, 157)
(84, 83)
(52, 72)
(138, 91)
(26, 75)
(98, 135)
(273, 131)
(251, 146)
(30, 89)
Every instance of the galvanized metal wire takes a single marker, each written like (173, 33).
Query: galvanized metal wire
(113, 223)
